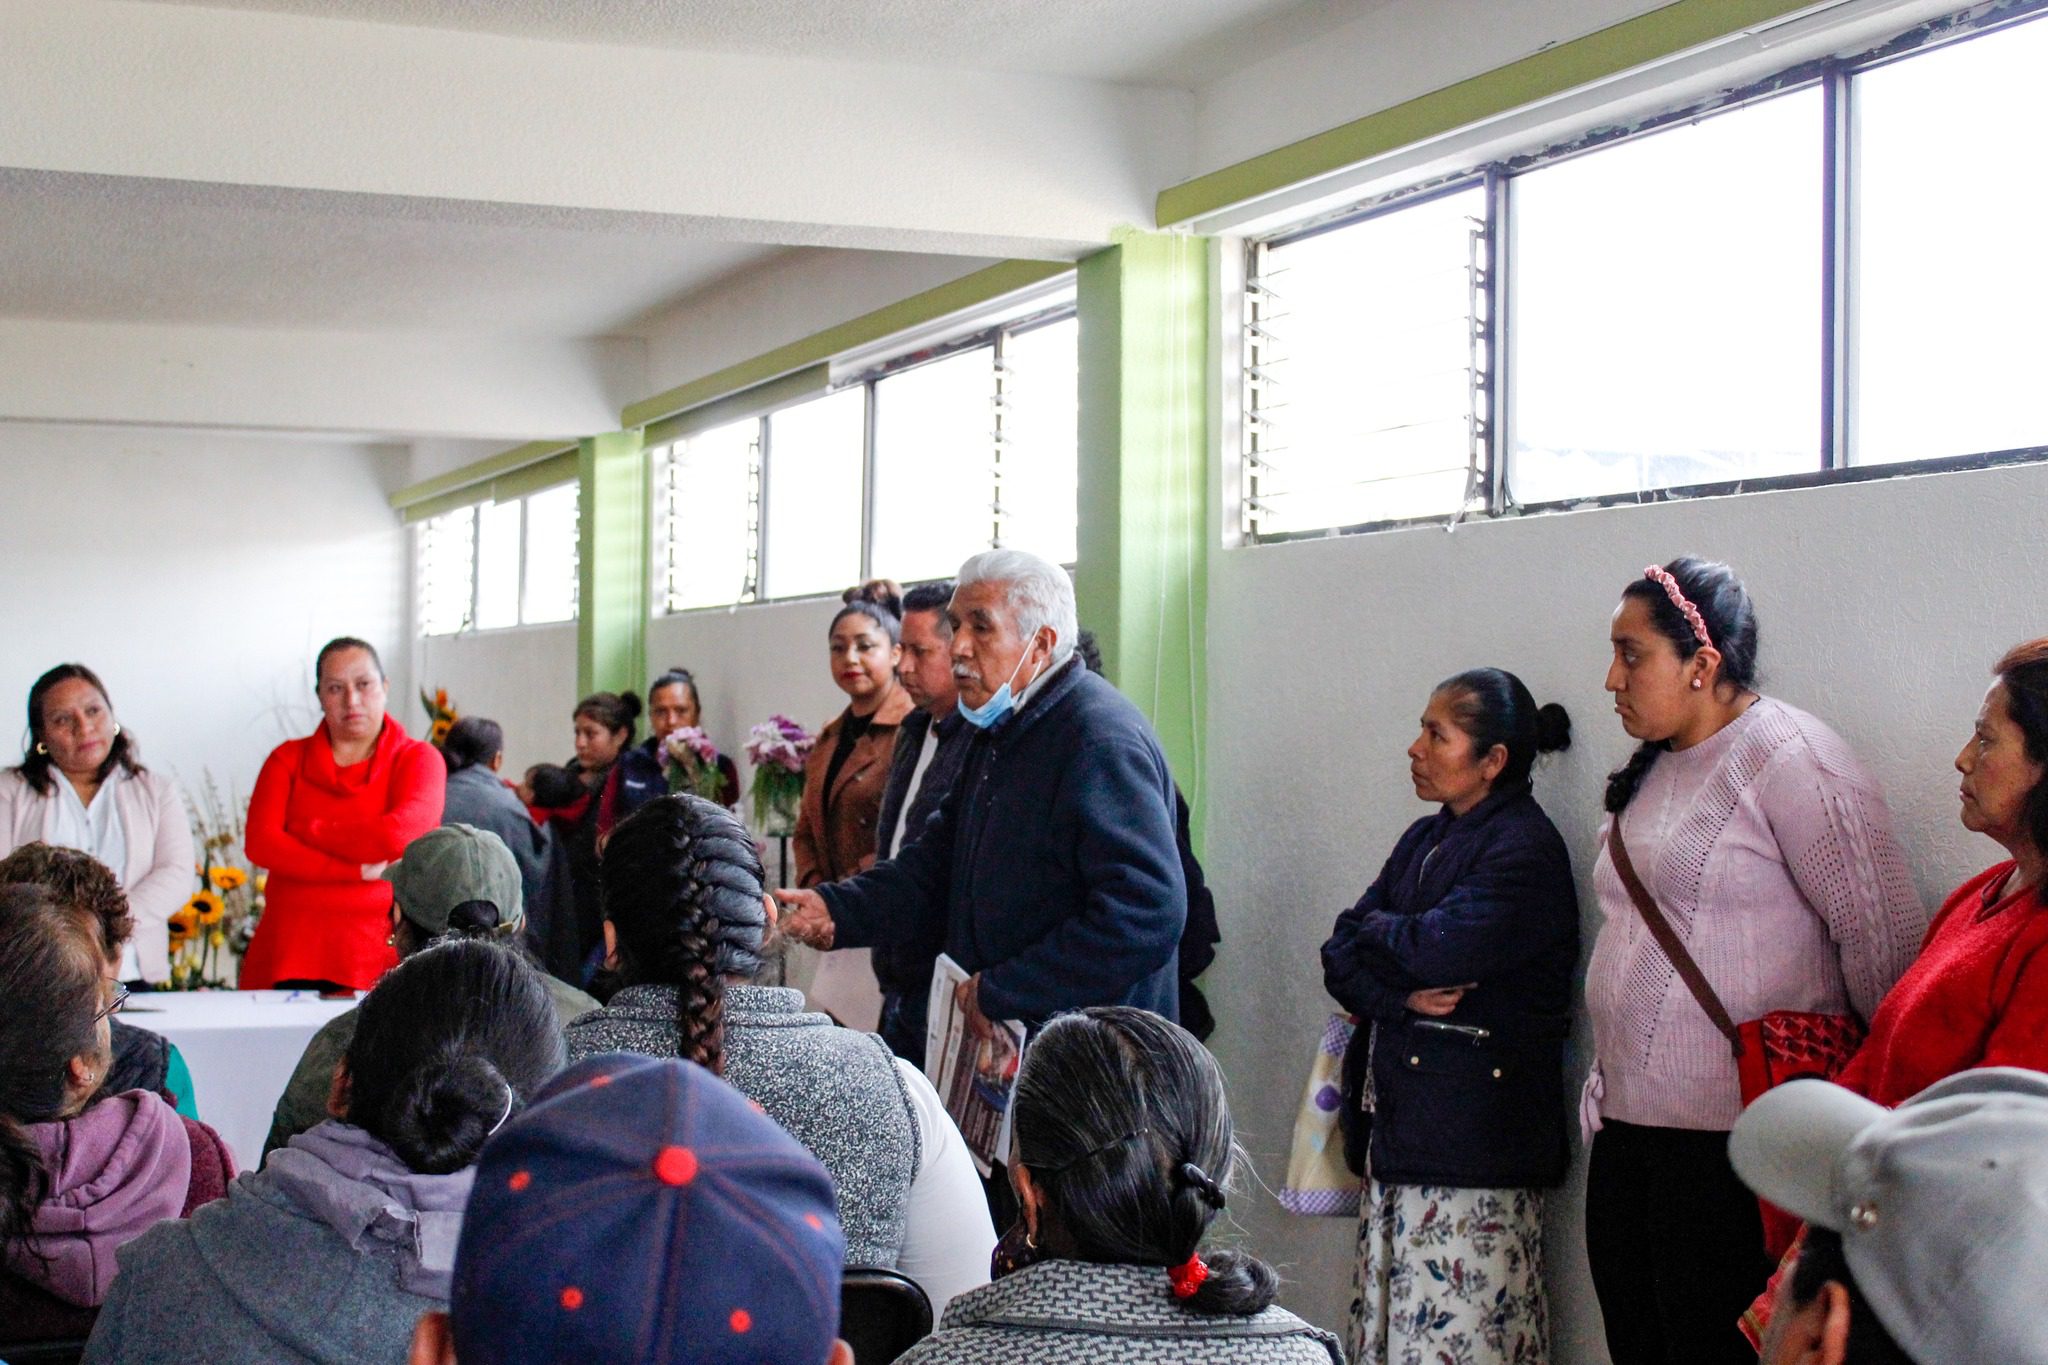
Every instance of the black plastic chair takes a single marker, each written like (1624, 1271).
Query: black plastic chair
(44, 1353)
(882, 1314)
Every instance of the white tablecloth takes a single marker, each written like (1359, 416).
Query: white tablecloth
(241, 1047)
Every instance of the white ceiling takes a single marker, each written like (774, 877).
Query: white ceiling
(1164, 42)
(105, 249)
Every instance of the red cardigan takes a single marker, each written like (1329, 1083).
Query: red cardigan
(314, 826)
(1976, 996)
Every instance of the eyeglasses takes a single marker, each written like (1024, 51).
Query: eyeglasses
(120, 998)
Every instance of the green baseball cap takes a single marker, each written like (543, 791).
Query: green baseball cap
(445, 867)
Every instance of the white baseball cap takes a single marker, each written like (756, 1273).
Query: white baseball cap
(1942, 1203)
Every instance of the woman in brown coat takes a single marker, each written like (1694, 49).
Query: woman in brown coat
(848, 767)
(843, 779)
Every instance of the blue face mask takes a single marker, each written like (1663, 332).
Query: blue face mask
(1000, 704)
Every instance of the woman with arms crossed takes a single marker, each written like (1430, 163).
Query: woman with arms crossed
(1459, 963)
(329, 812)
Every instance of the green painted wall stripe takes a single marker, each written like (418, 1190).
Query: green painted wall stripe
(793, 387)
(1141, 582)
(556, 469)
(480, 471)
(434, 507)
(1005, 277)
(1622, 47)
(614, 579)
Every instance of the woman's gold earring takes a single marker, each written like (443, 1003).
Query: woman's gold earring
(42, 748)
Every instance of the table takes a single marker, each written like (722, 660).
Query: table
(241, 1047)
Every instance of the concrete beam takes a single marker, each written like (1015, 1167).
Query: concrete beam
(782, 149)
(387, 385)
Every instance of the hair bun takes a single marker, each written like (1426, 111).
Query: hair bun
(885, 593)
(445, 1110)
(475, 917)
(1553, 729)
(630, 704)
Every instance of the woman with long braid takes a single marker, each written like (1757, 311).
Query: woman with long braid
(685, 921)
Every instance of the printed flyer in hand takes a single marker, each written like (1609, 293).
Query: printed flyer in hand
(975, 1077)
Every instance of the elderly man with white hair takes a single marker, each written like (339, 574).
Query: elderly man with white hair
(1050, 871)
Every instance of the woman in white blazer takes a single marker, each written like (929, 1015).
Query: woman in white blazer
(80, 785)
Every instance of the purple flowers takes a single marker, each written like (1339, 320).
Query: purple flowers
(779, 742)
(693, 742)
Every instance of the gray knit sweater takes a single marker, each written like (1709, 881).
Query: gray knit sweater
(1083, 1313)
(834, 1090)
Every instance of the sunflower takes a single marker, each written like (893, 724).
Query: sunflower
(184, 923)
(206, 907)
(438, 734)
(227, 878)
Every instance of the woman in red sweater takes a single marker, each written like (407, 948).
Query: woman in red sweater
(1978, 993)
(330, 811)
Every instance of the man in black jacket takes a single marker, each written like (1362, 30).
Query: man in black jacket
(1050, 872)
(930, 746)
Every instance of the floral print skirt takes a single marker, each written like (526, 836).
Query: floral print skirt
(1449, 1277)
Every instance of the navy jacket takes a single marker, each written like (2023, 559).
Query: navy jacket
(1050, 868)
(1486, 898)
(903, 963)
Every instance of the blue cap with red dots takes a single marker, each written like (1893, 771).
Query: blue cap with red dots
(640, 1209)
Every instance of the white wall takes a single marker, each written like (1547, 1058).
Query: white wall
(1883, 606)
(751, 662)
(197, 574)
(524, 678)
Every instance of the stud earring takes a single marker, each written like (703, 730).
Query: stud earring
(117, 729)
(1695, 684)
(42, 749)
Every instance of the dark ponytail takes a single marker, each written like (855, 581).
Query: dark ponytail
(1123, 1124)
(878, 599)
(1724, 607)
(35, 766)
(472, 742)
(451, 1041)
(682, 891)
(50, 967)
(1493, 706)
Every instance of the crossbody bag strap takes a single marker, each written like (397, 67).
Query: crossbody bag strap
(1667, 938)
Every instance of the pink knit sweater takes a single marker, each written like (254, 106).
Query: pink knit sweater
(1770, 850)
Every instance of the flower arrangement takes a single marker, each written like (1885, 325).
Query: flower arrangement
(441, 714)
(691, 760)
(220, 918)
(777, 748)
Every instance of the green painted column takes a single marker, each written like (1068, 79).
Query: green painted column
(1142, 579)
(614, 563)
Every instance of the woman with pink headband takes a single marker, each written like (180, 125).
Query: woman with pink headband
(1767, 851)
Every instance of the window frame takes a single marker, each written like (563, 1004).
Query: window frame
(474, 512)
(1835, 75)
(993, 336)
